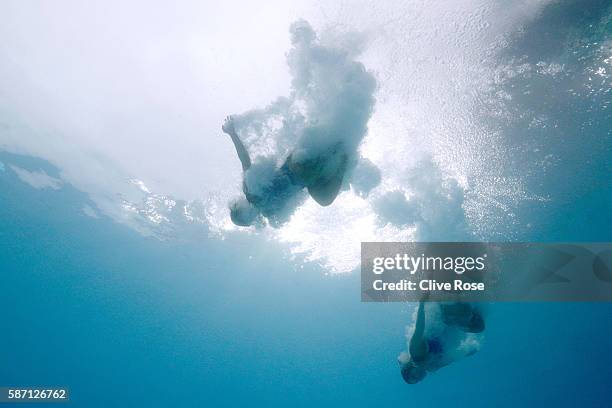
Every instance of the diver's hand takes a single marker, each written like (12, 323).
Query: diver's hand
(228, 125)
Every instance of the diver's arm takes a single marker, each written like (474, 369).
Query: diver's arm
(418, 345)
(243, 154)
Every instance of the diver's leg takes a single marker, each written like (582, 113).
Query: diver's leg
(418, 345)
(322, 173)
(325, 189)
(477, 323)
(325, 192)
(462, 315)
(456, 313)
(243, 154)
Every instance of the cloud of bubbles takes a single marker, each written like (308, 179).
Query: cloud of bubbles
(434, 205)
(320, 125)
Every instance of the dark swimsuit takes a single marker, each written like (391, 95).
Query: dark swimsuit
(276, 198)
(434, 346)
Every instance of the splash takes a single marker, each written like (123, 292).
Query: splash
(309, 139)
(436, 161)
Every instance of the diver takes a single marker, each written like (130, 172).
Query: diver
(274, 191)
(462, 315)
(428, 354)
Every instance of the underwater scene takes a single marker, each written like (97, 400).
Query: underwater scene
(185, 189)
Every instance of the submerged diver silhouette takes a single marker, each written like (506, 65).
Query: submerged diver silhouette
(428, 353)
(272, 191)
(307, 143)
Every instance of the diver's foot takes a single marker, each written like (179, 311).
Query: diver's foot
(228, 125)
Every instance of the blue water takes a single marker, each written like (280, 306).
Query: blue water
(126, 320)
